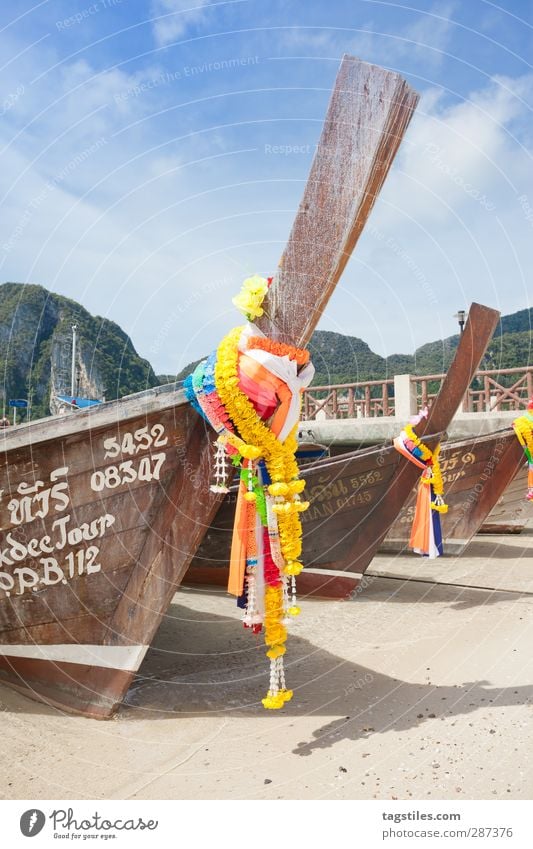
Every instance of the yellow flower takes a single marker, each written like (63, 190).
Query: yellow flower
(251, 296)
(278, 489)
(296, 487)
(276, 651)
(293, 567)
(256, 286)
(250, 452)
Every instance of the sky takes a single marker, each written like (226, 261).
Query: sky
(153, 154)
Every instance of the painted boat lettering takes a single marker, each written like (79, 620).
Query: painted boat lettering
(33, 502)
(60, 537)
(328, 508)
(138, 440)
(24, 578)
(356, 499)
(327, 498)
(324, 491)
(318, 511)
(407, 515)
(366, 479)
(452, 477)
(148, 469)
(42, 498)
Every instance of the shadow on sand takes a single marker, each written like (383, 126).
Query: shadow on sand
(227, 672)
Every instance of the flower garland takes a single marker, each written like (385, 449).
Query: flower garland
(523, 427)
(267, 541)
(433, 474)
(426, 534)
(285, 489)
(280, 349)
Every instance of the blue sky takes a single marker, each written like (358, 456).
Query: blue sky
(137, 174)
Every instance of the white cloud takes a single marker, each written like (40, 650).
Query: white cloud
(425, 40)
(172, 18)
(429, 35)
(139, 226)
(450, 226)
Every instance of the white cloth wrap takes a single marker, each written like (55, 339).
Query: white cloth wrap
(285, 369)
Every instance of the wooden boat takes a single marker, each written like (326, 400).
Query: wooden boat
(356, 497)
(477, 475)
(512, 512)
(102, 510)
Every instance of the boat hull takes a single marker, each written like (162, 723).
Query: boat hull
(477, 475)
(97, 526)
(343, 527)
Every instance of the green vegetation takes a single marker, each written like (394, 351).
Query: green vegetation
(347, 359)
(35, 349)
(35, 352)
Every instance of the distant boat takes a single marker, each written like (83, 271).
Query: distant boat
(485, 482)
(357, 497)
(78, 403)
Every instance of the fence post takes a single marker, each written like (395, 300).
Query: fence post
(351, 406)
(385, 398)
(405, 400)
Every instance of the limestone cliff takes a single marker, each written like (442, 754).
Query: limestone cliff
(36, 351)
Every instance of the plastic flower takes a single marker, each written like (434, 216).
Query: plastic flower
(251, 296)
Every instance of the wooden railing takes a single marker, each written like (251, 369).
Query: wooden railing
(349, 400)
(490, 391)
(512, 393)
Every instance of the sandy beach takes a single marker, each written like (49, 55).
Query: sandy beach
(422, 687)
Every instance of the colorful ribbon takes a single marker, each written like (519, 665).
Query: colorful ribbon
(426, 533)
(523, 427)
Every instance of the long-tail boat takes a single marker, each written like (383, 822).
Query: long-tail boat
(103, 509)
(478, 474)
(512, 513)
(356, 497)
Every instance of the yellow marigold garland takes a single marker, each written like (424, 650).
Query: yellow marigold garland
(523, 427)
(435, 478)
(285, 488)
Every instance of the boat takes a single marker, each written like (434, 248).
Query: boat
(103, 509)
(479, 474)
(355, 498)
(512, 512)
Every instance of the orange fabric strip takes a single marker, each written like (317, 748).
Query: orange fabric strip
(420, 530)
(261, 375)
(237, 566)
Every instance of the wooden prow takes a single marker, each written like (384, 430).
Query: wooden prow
(479, 329)
(368, 114)
(481, 324)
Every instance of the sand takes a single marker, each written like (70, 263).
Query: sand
(416, 689)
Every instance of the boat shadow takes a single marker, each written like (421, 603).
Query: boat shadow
(390, 588)
(488, 546)
(225, 673)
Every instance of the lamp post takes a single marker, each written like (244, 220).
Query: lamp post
(73, 364)
(461, 318)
